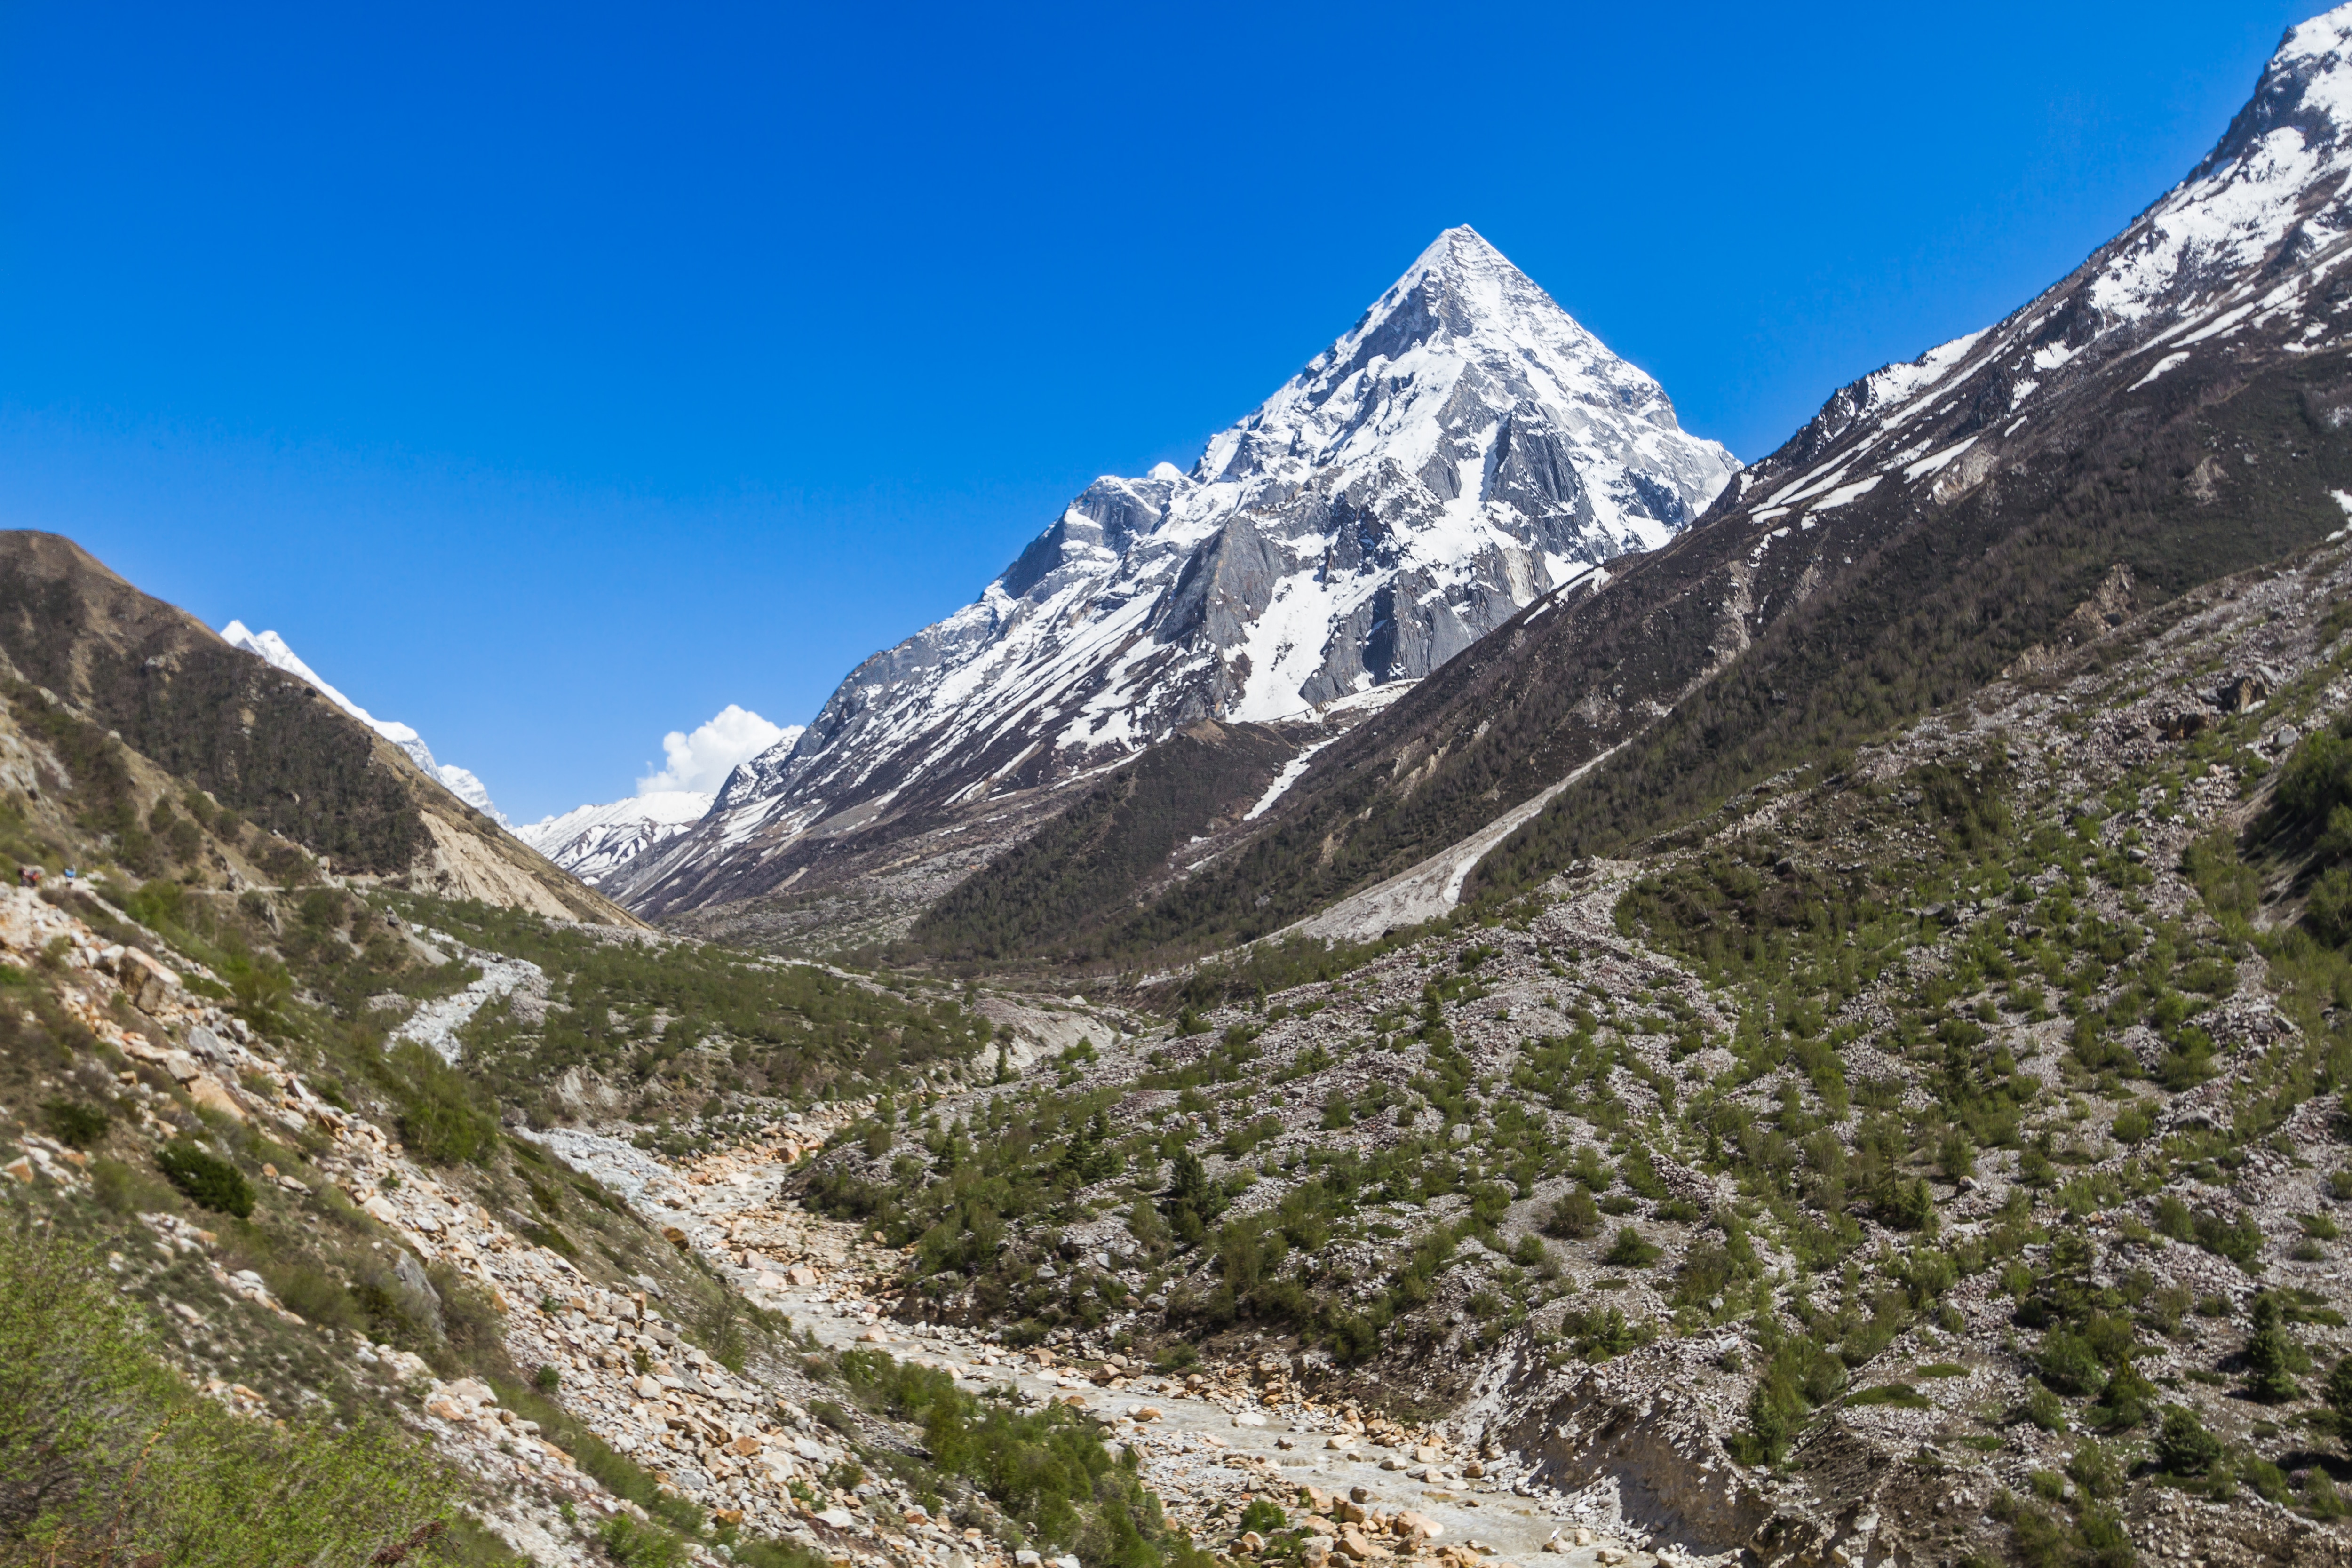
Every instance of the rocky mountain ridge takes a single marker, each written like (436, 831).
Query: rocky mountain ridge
(459, 782)
(208, 762)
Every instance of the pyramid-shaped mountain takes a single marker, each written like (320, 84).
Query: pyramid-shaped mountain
(1466, 448)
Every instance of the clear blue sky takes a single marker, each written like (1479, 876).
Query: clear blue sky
(553, 377)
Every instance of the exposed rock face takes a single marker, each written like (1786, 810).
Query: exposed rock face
(1465, 447)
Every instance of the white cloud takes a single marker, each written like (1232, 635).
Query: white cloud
(701, 760)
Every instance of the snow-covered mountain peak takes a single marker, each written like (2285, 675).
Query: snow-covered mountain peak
(274, 650)
(594, 841)
(2271, 190)
(1461, 355)
(2253, 245)
(1462, 448)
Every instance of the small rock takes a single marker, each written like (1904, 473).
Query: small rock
(1417, 1525)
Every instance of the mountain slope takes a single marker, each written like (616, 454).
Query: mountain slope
(267, 744)
(459, 782)
(1463, 448)
(2178, 408)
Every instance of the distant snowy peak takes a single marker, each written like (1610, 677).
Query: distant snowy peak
(591, 842)
(459, 782)
(1461, 449)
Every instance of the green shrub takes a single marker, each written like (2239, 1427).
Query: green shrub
(1628, 1250)
(2041, 1540)
(313, 1294)
(2106, 1542)
(1912, 1206)
(2067, 1363)
(2096, 1469)
(2329, 910)
(1263, 1516)
(635, 1545)
(2183, 1446)
(2316, 779)
(207, 1180)
(1048, 1471)
(2273, 1356)
(443, 1114)
(120, 1448)
(2043, 1408)
(1896, 1394)
(1573, 1216)
(112, 1182)
(2338, 1391)
(2240, 1241)
(74, 1122)
(1640, 1174)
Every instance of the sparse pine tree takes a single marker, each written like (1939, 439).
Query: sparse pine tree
(2272, 1354)
(2183, 1447)
(1189, 1201)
